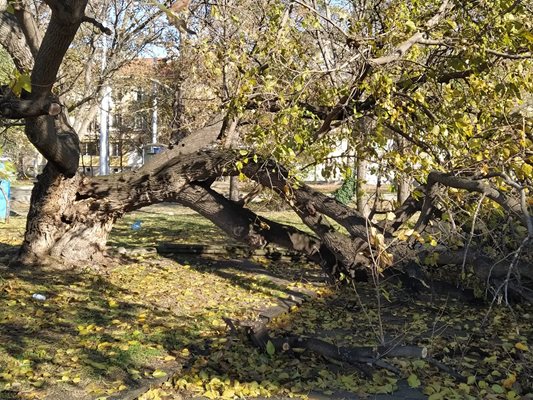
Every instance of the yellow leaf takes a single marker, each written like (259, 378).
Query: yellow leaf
(508, 383)
(527, 170)
(228, 394)
(521, 346)
(112, 304)
(158, 373)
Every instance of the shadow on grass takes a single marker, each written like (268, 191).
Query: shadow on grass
(255, 278)
(88, 332)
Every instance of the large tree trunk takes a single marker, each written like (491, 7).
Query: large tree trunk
(60, 225)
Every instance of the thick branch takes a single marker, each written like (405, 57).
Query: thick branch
(55, 139)
(15, 109)
(165, 180)
(29, 27)
(256, 231)
(97, 24)
(509, 204)
(353, 355)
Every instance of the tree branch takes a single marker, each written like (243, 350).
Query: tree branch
(509, 204)
(15, 109)
(55, 139)
(401, 49)
(29, 26)
(98, 24)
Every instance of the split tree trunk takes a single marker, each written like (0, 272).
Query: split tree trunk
(70, 218)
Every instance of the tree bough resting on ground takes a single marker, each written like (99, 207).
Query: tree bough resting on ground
(435, 102)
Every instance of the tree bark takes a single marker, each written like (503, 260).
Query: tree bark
(14, 40)
(403, 184)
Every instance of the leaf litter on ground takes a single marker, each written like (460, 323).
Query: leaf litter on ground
(150, 318)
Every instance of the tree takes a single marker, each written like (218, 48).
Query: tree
(448, 80)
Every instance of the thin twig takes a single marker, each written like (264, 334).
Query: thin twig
(471, 234)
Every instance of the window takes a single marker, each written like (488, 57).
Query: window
(141, 95)
(89, 148)
(115, 149)
(141, 121)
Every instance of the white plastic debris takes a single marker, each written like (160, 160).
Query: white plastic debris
(38, 296)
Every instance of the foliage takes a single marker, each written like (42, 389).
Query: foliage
(265, 53)
(445, 104)
(348, 189)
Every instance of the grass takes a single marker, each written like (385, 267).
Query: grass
(178, 225)
(148, 317)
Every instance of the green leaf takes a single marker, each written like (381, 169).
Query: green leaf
(411, 25)
(25, 82)
(270, 349)
(452, 24)
(497, 389)
(413, 381)
(97, 365)
(528, 35)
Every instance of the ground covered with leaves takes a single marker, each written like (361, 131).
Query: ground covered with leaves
(159, 324)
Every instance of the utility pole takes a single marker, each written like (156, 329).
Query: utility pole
(104, 117)
(154, 105)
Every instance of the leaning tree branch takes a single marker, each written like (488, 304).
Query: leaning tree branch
(184, 178)
(244, 225)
